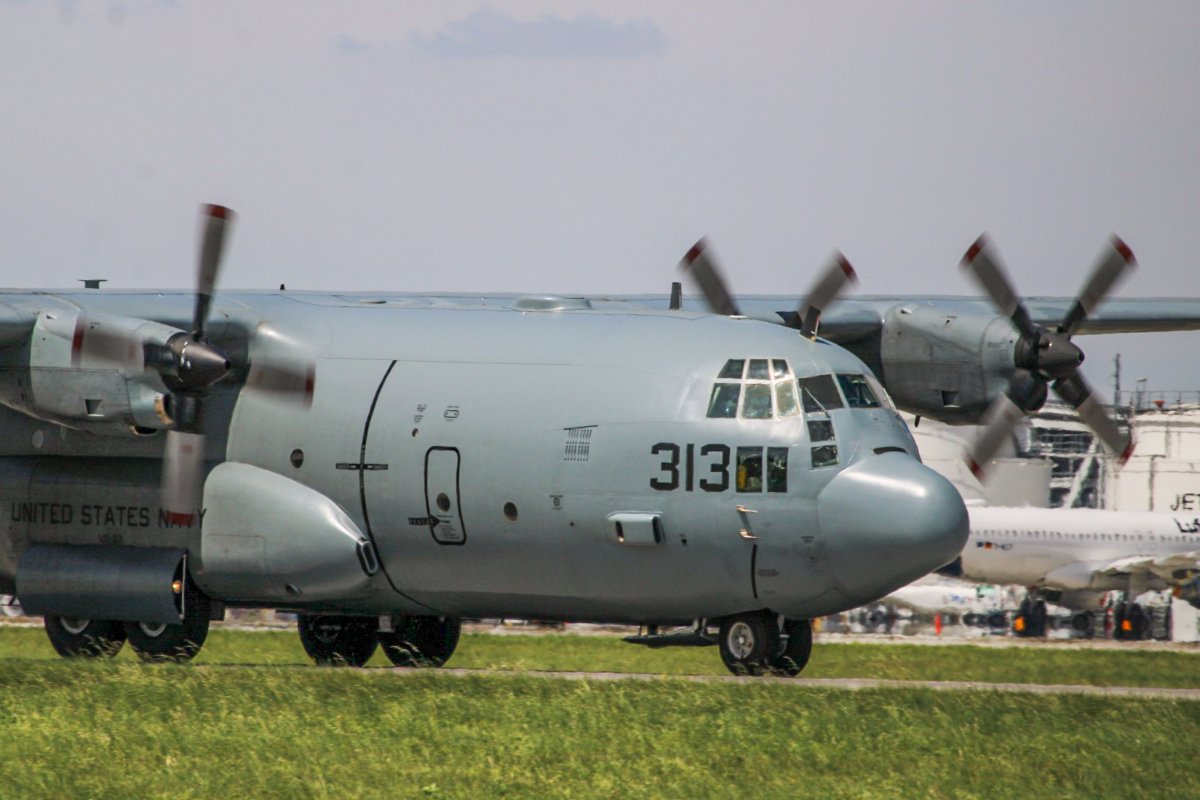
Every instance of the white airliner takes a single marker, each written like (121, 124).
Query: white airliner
(1072, 557)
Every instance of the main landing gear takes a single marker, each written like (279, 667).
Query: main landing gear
(94, 638)
(335, 640)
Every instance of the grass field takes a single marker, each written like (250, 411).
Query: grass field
(121, 729)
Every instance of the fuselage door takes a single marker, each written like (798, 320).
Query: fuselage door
(441, 495)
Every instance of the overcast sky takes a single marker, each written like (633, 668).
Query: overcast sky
(583, 147)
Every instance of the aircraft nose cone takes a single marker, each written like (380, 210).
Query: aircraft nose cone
(886, 521)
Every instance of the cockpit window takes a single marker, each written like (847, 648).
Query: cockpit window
(754, 388)
(858, 391)
(724, 400)
(881, 394)
(819, 393)
(785, 399)
(757, 404)
(732, 370)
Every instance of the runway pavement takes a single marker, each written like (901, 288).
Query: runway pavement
(838, 684)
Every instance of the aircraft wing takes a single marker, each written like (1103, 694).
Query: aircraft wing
(1169, 568)
(853, 318)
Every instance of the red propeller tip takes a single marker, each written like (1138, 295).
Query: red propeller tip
(974, 249)
(976, 470)
(1128, 451)
(847, 269)
(219, 212)
(695, 252)
(1124, 250)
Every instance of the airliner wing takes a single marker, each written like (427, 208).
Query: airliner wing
(1165, 567)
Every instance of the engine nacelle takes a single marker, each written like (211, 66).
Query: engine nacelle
(946, 365)
(96, 382)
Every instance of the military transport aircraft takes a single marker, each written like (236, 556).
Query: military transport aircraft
(387, 465)
(1074, 556)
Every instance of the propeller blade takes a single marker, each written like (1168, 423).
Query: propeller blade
(703, 270)
(294, 382)
(183, 476)
(1026, 391)
(985, 269)
(1075, 391)
(218, 220)
(998, 424)
(1114, 263)
(837, 274)
(93, 341)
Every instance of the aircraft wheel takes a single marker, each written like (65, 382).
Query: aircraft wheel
(797, 650)
(1084, 622)
(86, 638)
(1037, 619)
(421, 641)
(748, 642)
(337, 641)
(1136, 622)
(155, 642)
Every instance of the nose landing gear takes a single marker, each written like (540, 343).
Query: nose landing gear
(764, 643)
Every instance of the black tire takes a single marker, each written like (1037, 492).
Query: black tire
(337, 641)
(1139, 622)
(1037, 619)
(749, 642)
(1084, 622)
(156, 643)
(421, 641)
(1020, 620)
(85, 638)
(796, 650)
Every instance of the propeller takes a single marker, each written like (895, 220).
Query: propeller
(699, 264)
(1045, 358)
(188, 365)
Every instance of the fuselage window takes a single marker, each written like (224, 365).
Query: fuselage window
(777, 469)
(824, 456)
(752, 472)
(749, 469)
(858, 391)
(820, 430)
